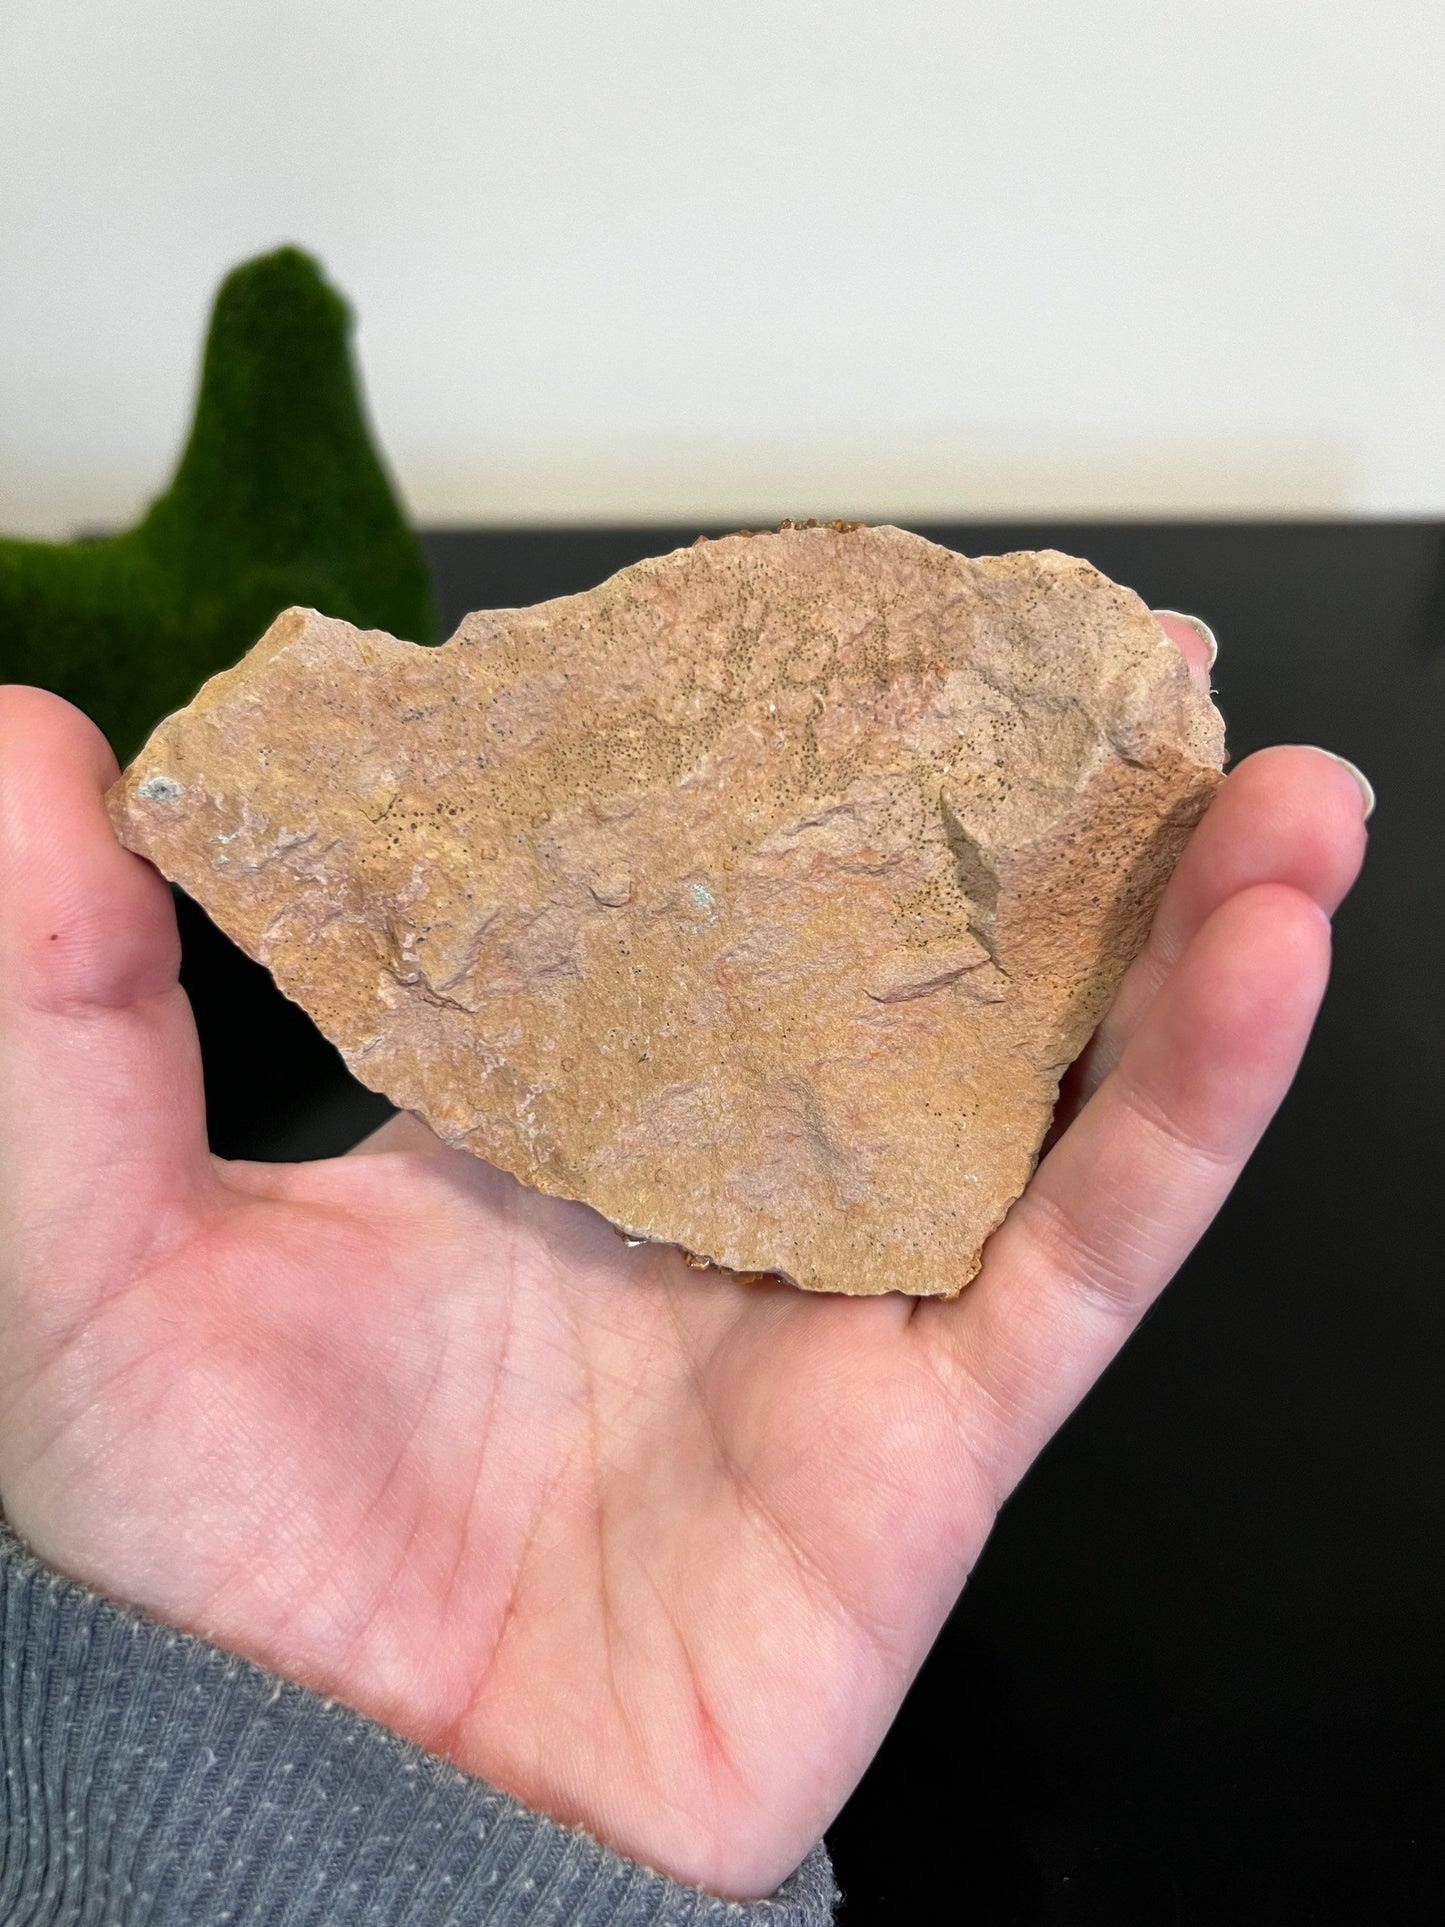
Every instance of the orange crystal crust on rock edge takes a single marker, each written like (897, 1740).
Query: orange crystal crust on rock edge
(757, 897)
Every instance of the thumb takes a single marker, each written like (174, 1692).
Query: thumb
(102, 1111)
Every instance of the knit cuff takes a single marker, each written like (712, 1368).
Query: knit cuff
(152, 1778)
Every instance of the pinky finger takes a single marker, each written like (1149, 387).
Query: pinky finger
(1120, 1201)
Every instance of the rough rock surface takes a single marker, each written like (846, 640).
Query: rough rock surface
(757, 897)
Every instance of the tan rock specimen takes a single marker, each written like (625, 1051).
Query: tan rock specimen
(757, 897)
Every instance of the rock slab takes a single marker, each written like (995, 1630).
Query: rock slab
(757, 898)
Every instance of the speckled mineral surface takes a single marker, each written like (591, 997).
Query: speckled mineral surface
(757, 897)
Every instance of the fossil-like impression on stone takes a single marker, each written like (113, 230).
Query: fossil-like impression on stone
(758, 897)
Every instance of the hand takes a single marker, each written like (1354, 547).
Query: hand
(655, 1550)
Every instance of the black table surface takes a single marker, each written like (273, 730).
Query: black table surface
(1198, 1676)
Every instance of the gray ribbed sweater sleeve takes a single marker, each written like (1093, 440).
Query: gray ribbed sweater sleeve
(152, 1780)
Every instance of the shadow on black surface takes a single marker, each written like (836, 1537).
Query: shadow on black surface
(275, 1089)
(1198, 1676)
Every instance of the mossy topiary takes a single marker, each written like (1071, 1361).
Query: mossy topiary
(280, 498)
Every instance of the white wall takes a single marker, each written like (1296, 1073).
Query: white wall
(715, 258)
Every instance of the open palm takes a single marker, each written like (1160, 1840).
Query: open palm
(654, 1549)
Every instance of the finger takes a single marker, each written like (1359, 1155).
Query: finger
(102, 1115)
(1121, 1200)
(1194, 640)
(1287, 815)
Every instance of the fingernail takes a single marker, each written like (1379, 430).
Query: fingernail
(1367, 788)
(1200, 627)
